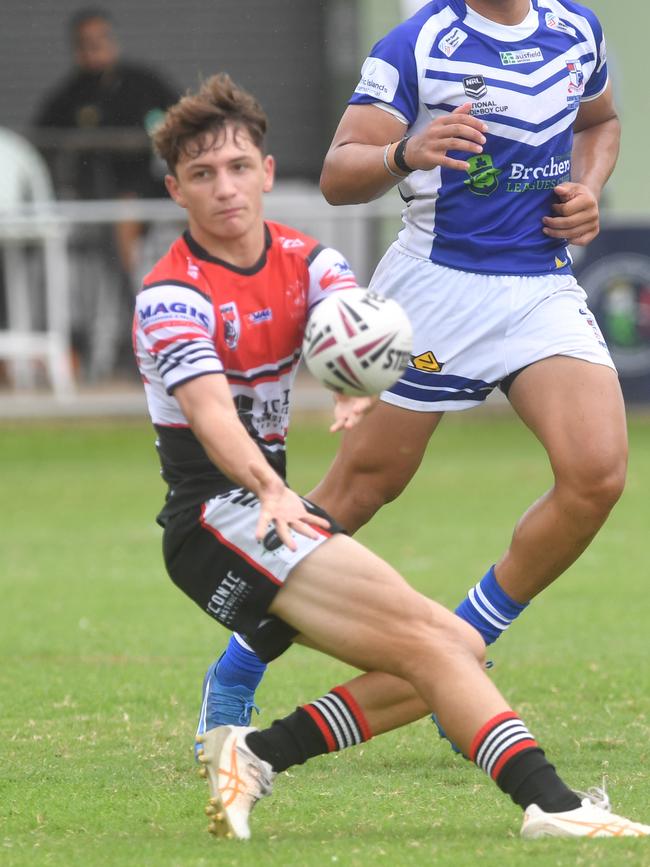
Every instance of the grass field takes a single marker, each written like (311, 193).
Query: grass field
(101, 660)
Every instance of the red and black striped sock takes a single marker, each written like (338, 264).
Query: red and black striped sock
(330, 723)
(506, 750)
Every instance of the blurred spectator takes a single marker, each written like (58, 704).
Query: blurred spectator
(93, 129)
(106, 92)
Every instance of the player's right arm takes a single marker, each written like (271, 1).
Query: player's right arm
(354, 169)
(208, 406)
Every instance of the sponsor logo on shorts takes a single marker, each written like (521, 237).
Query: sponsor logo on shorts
(426, 362)
(231, 324)
(526, 55)
(524, 179)
(452, 41)
(378, 79)
(228, 597)
(483, 175)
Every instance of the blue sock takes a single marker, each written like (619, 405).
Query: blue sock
(239, 665)
(488, 608)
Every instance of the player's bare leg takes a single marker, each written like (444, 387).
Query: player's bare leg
(576, 410)
(374, 463)
(353, 606)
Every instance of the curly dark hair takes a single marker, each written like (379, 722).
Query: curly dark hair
(192, 125)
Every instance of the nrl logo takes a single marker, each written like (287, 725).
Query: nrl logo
(474, 86)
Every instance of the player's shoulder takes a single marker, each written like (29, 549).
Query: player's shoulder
(288, 241)
(576, 9)
(177, 268)
(434, 15)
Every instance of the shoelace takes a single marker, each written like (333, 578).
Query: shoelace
(598, 796)
(249, 707)
(231, 703)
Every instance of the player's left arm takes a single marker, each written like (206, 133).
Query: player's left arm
(597, 134)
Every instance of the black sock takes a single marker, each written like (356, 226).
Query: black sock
(529, 778)
(289, 741)
(506, 750)
(333, 722)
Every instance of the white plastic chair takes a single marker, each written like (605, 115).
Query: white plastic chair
(26, 220)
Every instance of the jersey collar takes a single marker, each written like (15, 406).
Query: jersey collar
(502, 32)
(201, 253)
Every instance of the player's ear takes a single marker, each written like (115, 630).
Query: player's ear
(269, 173)
(173, 189)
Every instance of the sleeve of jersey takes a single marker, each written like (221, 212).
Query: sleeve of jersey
(598, 79)
(389, 74)
(176, 326)
(328, 272)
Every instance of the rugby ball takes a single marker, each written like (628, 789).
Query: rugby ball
(357, 343)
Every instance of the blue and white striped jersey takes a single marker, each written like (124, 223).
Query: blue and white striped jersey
(526, 82)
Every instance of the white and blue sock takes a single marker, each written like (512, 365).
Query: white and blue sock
(239, 665)
(488, 608)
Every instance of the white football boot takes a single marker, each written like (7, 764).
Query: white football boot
(593, 818)
(237, 779)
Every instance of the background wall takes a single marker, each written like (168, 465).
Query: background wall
(277, 48)
(301, 58)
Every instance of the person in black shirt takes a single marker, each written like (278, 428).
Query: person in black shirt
(93, 129)
(103, 91)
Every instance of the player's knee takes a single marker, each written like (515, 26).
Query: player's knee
(599, 483)
(429, 636)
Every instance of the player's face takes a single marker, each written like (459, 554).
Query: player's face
(95, 45)
(223, 188)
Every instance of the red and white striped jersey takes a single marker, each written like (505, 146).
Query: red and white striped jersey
(198, 315)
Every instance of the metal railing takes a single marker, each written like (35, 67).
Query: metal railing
(40, 302)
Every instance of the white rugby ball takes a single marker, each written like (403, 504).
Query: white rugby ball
(357, 342)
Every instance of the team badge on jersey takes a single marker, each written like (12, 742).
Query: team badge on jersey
(231, 324)
(576, 77)
(427, 362)
(576, 84)
(483, 175)
(474, 86)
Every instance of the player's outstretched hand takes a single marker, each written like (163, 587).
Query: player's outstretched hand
(349, 410)
(458, 131)
(283, 508)
(577, 215)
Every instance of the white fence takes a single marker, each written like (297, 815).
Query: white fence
(50, 272)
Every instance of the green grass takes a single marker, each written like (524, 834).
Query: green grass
(101, 659)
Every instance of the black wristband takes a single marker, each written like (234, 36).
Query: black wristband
(398, 157)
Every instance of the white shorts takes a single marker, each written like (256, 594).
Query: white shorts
(472, 331)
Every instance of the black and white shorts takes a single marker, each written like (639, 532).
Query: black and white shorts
(212, 554)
